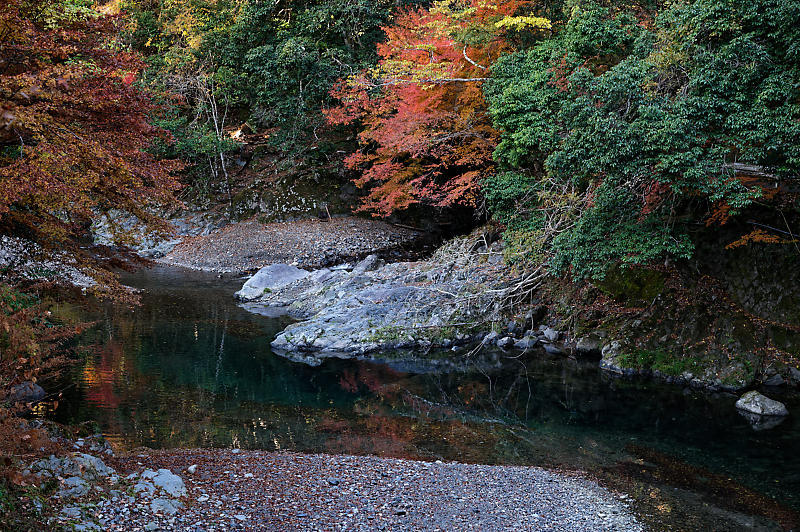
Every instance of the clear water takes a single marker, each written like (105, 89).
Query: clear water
(189, 368)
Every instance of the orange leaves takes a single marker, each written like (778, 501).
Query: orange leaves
(425, 133)
(73, 128)
(759, 236)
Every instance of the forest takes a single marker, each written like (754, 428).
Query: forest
(612, 146)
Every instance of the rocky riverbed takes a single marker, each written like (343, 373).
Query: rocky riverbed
(248, 246)
(252, 490)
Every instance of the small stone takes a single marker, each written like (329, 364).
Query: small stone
(505, 343)
(551, 349)
(241, 517)
(72, 512)
(490, 338)
(192, 469)
(151, 526)
(551, 334)
(333, 481)
(169, 482)
(165, 506)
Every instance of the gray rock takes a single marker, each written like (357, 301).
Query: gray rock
(169, 483)
(527, 342)
(775, 380)
(269, 278)
(795, 373)
(73, 487)
(73, 512)
(369, 264)
(151, 526)
(551, 334)
(505, 342)
(192, 469)
(588, 346)
(756, 403)
(552, 349)
(26, 392)
(165, 506)
(81, 465)
(490, 338)
(144, 487)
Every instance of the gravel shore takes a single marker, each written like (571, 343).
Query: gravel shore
(248, 246)
(256, 490)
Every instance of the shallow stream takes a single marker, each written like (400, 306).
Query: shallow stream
(189, 368)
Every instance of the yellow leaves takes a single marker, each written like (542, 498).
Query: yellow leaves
(523, 23)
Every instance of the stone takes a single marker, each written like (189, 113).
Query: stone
(551, 334)
(490, 338)
(551, 349)
(165, 506)
(527, 342)
(774, 380)
(73, 487)
(757, 403)
(73, 512)
(192, 469)
(369, 264)
(588, 346)
(79, 465)
(26, 392)
(144, 487)
(505, 342)
(170, 483)
(151, 526)
(269, 278)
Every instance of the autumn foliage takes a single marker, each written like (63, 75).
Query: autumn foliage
(74, 129)
(426, 137)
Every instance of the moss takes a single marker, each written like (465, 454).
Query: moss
(632, 286)
(660, 360)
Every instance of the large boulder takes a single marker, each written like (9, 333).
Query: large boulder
(270, 278)
(762, 405)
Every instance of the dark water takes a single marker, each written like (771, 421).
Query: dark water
(190, 368)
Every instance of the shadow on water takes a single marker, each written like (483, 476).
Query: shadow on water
(190, 368)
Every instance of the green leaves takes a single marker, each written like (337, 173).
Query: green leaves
(644, 116)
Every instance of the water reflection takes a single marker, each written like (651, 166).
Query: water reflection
(189, 368)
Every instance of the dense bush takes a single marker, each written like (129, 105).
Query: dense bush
(629, 124)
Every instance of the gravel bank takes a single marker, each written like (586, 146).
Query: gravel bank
(256, 490)
(248, 246)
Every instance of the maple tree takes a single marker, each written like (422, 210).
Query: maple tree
(74, 129)
(426, 136)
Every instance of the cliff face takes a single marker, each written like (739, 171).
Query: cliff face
(729, 319)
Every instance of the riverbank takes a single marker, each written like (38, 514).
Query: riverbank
(253, 490)
(248, 246)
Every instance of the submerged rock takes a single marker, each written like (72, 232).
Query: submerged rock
(757, 403)
(270, 278)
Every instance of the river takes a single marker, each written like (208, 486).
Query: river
(190, 368)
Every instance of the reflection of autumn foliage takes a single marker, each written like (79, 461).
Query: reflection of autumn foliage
(376, 379)
(98, 376)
